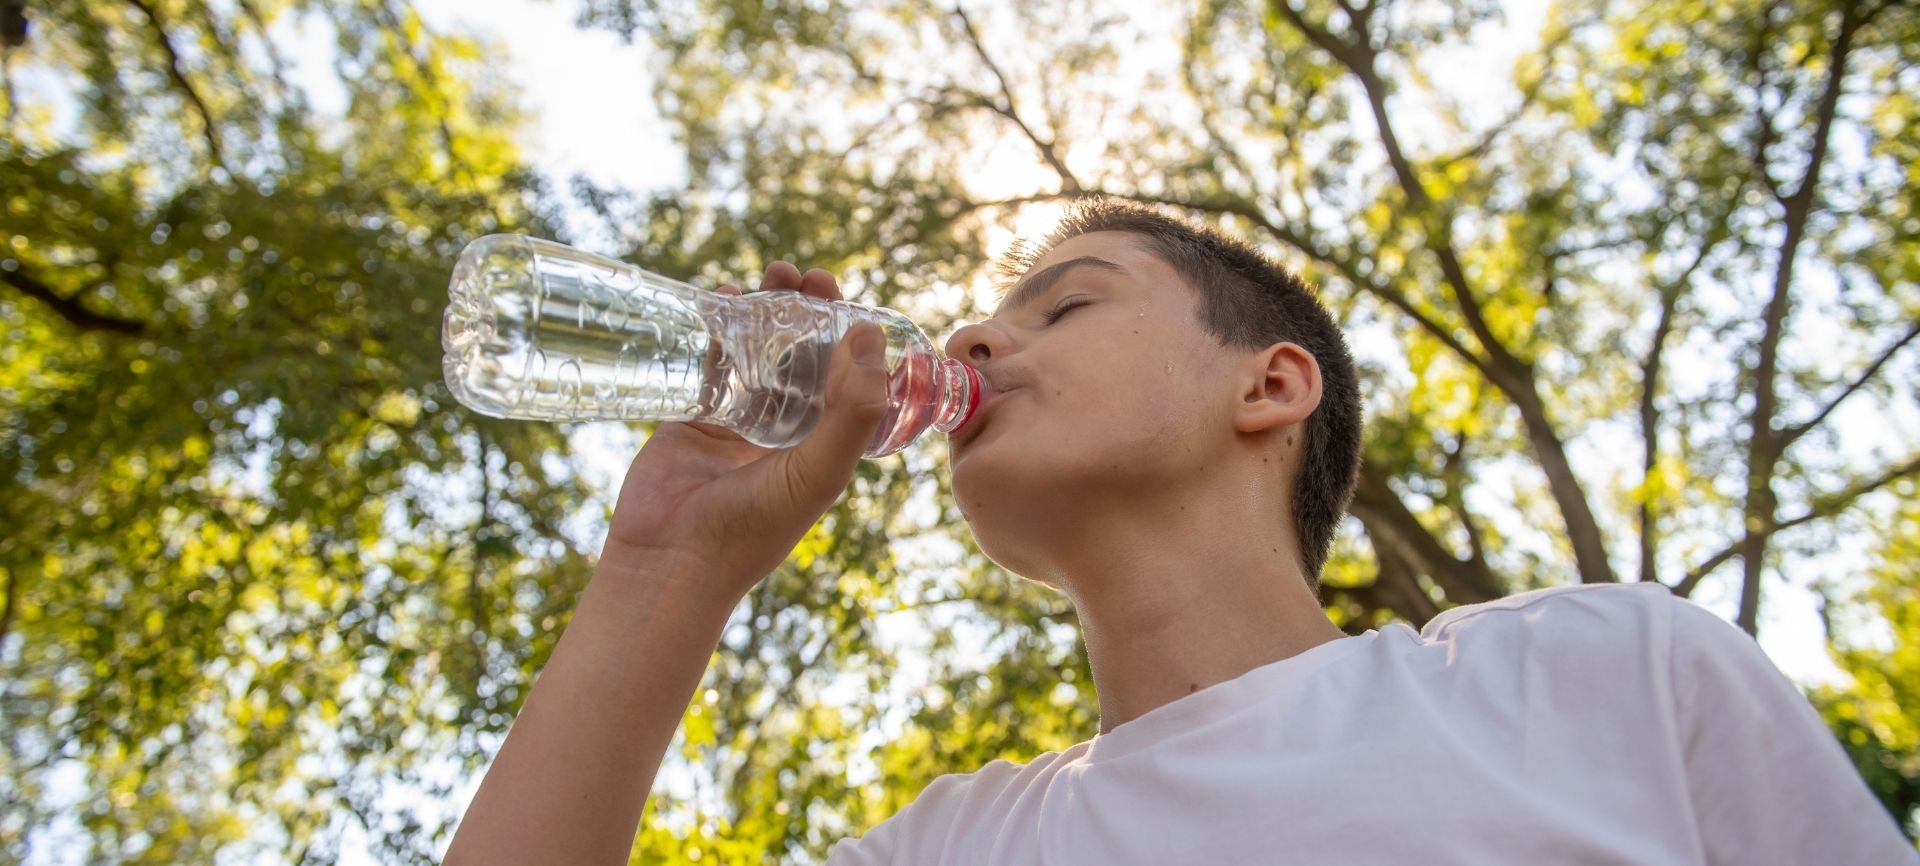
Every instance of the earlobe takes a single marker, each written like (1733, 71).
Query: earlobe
(1282, 388)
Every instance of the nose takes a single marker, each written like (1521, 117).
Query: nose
(978, 343)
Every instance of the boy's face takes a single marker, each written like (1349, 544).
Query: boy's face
(1124, 396)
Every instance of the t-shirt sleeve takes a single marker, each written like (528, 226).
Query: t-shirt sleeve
(921, 832)
(1769, 782)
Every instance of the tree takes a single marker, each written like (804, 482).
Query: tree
(1873, 716)
(1626, 330)
(260, 576)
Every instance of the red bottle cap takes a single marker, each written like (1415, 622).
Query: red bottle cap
(975, 386)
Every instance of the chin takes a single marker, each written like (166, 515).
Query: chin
(1001, 506)
(1012, 551)
(994, 478)
(1014, 501)
(980, 491)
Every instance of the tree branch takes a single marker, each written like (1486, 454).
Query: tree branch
(1359, 58)
(1456, 474)
(1650, 428)
(1686, 585)
(6, 77)
(424, 65)
(1190, 76)
(1347, 268)
(1506, 371)
(1613, 243)
(179, 76)
(1390, 524)
(252, 12)
(7, 607)
(484, 529)
(1763, 133)
(1822, 508)
(1047, 147)
(1286, 235)
(1670, 293)
(70, 309)
(1528, 96)
(1398, 585)
(1765, 444)
(1346, 52)
(1793, 434)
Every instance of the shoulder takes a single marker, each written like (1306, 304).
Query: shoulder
(1601, 625)
(954, 791)
(1609, 637)
(1582, 655)
(952, 807)
(1609, 610)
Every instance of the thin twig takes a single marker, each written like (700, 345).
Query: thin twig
(1048, 147)
(1824, 507)
(1793, 434)
(179, 76)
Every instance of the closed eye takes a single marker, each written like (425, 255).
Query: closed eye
(1061, 309)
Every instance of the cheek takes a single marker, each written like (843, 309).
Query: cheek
(1103, 413)
(1140, 424)
(1077, 442)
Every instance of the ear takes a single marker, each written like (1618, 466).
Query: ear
(1282, 389)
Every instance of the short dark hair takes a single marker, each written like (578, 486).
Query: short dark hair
(1249, 301)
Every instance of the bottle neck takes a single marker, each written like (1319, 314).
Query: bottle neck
(958, 391)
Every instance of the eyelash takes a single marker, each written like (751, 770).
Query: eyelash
(1054, 314)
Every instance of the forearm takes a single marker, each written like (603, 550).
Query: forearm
(572, 778)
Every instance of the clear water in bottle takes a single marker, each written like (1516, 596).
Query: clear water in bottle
(542, 331)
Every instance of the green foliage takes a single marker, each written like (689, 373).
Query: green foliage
(247, 593)
(1874, 715)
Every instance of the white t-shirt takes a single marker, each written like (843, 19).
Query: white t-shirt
(1576, 725)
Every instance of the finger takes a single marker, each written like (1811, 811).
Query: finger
(820, 284)
(728, 289)
(712, 430)
(818, 469)
(780, 275)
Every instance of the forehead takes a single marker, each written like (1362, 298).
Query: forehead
(1125, 249)
(1133, 264)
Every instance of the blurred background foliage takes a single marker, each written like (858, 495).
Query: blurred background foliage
(1646, 313)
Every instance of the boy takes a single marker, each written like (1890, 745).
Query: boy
(1170, 435)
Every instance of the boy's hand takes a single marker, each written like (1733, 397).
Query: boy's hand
(720, 511)
(702, 515)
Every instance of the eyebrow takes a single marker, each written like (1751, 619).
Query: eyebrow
(1037, 284)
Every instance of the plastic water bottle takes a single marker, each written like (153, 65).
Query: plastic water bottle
(541, 331)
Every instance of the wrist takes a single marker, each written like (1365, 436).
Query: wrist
(688, 584)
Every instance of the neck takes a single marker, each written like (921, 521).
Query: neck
(1178, 592)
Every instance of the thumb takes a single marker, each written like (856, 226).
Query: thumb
(819, 468)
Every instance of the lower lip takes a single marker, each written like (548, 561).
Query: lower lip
(971, 430)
